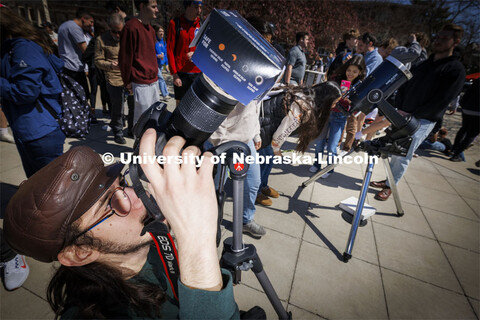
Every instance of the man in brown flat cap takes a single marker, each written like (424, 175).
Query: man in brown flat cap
(78, 212)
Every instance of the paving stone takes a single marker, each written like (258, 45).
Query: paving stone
(427, 179)
(442, 201)
(278, 253)
(408, 298)
(466, 189)
(298, 313)
(466, 265)
(335, 289)
(412, 221)
(22, 304)
(328, 229)
(454, 230)
(415, 256)
(248, 297)
(37, 284)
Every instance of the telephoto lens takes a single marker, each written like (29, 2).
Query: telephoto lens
(201, 111)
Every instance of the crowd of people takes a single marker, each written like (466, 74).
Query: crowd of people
(57, 214)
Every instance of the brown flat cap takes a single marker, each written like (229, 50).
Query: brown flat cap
(39, 213)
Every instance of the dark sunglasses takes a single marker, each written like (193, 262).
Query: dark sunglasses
(115, 32)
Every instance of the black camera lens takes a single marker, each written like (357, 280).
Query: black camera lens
(201, 111)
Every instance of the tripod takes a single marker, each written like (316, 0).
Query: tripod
(357, 217)
(237, 256)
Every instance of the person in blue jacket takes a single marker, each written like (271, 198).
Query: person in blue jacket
(26, 73)
(161, 52)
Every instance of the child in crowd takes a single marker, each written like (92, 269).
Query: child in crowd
(353, 71)
(161, 51)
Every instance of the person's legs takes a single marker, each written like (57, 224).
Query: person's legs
(266, 168)
(320, 146)
(438, 146)
(4, 134)
(252, 184)
(470, 129)
(15, 268)
(92, 77)
(161, 83)
(6, 252)
(38, 153)
(145, 95)
(337, 122)
(351, 129)
(104, 96)
(399, 164)
(116, 97)
(131, 112)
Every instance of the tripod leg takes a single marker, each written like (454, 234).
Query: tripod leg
(358, 212)
(269, 290)
(238, 185)
(324, 170)
(393, 186)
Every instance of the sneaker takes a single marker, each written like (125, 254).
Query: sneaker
(253, 229)
(120, 140)
(106, 127)
(326, 175)
(313, 169)
(15, 272)
(263, 200)
(456, 158)
(7, 137)
(270, 192)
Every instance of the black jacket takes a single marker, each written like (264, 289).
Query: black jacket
(471, 98)
(270, 118)
(433, 86)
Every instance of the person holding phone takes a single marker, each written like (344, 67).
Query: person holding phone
(352, 71)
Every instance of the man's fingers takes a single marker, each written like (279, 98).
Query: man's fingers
(189, 159)
(207, 166)
(147, 147)
(172, 153)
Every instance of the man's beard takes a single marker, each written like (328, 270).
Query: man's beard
(109, 247)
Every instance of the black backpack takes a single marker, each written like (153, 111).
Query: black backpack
(75, 118)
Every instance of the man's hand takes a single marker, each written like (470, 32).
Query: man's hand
(160, 56)
(176, 80)
(114, 65)
(128, 87)
(189, 55)
(187, 199)
(258, 145)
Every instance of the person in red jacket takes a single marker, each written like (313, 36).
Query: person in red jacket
(137, 59)
(181, 31)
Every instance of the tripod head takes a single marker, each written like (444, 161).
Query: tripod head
(373, 92)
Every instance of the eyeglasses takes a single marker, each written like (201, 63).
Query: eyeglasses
(115, 32)
(118, 204)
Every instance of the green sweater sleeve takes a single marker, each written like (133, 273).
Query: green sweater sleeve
(201, 304)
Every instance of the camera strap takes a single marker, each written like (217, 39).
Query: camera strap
(158, 231)
(168, 254)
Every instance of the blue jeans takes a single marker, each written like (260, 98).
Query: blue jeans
(399, 164)
(334, 130)
(38, 153)
(438, 146)
(162, 84)
(251, 184)
(265, 168)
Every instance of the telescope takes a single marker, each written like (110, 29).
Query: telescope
(373, 92)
